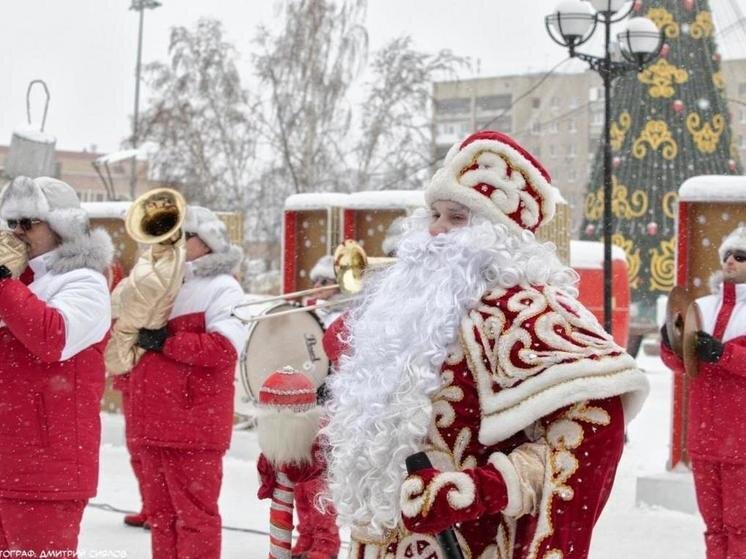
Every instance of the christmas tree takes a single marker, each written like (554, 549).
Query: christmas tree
(669, 122)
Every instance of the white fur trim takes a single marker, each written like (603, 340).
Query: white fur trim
(94, 251)
(505, 468)
(416, 499)
(207, 226)
(323, 269)
(286, 437)
(217, 263)
(630, 384)
(47, 199)
(736, 240)
(450, 184)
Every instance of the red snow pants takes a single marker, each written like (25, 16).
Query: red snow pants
(182, 489)
(134, 450)
(31, 525)
(721, 496)
(318, 535)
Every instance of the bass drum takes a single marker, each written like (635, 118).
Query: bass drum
(292, 340)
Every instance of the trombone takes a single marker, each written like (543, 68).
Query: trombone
(350, 261)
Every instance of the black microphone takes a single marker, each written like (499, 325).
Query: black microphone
(447, 538)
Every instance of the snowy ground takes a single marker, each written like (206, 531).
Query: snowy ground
(624, 531)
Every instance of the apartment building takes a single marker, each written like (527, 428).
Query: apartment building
(560, 119)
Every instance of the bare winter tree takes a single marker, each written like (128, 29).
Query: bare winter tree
(201, 119)
(393, 150)
(307, 69)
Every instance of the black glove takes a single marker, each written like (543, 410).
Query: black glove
(4, 272)
(709, 349)
(152, 340)
(664, 337)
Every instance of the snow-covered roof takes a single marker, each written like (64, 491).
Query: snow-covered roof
(315, 200)
(117, 156)
(386, 199)
(34, 135)
(106, 209)
(589, 255)
(558, 198)
(713, 188)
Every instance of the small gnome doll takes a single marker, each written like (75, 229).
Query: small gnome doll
(287, 427)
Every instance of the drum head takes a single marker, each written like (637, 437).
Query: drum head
(692, 325)
(291, 340)
(678, 304)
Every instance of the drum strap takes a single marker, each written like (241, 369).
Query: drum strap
(729, 301)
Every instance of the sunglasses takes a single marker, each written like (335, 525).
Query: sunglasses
(739, 255)
(26, 223)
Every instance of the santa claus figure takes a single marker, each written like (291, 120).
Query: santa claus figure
(474, 348)
(291, 467)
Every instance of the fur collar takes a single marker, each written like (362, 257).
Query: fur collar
(92, 250)
(217, 263)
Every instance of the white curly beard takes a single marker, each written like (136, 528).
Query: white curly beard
(399, 336)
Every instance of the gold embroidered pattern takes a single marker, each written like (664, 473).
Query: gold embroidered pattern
(664, 20)
(718, 80)
(706, 135)
(661, 77)
(619, 131)
(662, 266)
(702, 27)
(656, 134)
(622, 204)
(633, 258)
(564, 436)
(670, 199)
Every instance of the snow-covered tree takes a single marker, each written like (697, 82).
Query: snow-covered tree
(202, 119)
(394, 146)
(307, 68)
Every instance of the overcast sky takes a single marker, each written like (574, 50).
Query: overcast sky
(85, 50)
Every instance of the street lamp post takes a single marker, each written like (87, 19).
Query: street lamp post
(139, 6)
(571, 25)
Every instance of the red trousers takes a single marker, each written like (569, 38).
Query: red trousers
(40, 525)
(318, 535)
(134, 450)
(721, 496)
(182, 489)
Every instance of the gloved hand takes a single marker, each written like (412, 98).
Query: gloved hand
(709, 349)
(664, 337)
(152, 340)
(4, 272)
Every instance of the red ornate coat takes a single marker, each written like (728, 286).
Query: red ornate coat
(527, 430)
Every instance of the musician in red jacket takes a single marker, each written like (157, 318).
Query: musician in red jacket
(182, 395)
(53, 321)
(716, 438)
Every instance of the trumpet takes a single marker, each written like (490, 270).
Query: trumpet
(144, 298)
(350, 261)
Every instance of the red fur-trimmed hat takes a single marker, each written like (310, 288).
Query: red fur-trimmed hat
(495, 177)
(288, 389)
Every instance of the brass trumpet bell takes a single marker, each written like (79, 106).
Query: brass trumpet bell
(156, 216)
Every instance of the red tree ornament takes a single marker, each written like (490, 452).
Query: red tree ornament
(637, 6)
(665, 49)
(590, 229)
(652, 228)
(616, 161)
(732, 165)
(688, 4)
(678, 106)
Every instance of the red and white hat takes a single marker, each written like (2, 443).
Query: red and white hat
(495, 177)
(288, 389)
